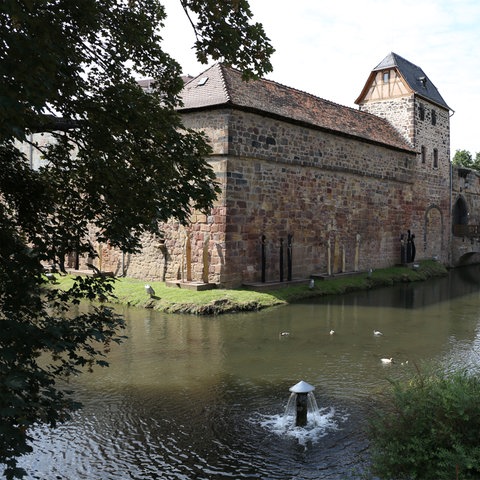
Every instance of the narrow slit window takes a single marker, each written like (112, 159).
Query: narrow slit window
(434, 117)
(421, 111)
(424, 154)
(435, 158)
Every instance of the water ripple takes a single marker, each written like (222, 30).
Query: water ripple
(188, 398)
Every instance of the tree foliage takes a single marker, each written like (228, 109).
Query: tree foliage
(223, 32)
(121, 161)
(463, 158)
(428, 429)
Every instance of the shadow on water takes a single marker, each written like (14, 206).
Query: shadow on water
(459, 282)
(200, 398)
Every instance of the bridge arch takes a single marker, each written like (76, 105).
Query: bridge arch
(469, 258)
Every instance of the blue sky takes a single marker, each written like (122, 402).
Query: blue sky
(328, 48)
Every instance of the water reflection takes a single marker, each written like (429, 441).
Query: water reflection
(460, 282)
(187, 397)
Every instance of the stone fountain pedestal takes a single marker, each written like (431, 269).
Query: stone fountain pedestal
(301, 389)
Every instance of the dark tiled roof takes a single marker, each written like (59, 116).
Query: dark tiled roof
(208, 89)
(223, 86)
(51, 122)
(414, 76)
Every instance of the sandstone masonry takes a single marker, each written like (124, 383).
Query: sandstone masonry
(309, 187)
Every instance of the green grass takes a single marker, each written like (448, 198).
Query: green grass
(131, 292)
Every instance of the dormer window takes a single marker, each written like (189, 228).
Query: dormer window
(386, 76)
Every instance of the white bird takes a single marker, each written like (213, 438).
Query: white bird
(284, 334)
(149, 290)
(386, 361)
(377, 333)
(332, 332)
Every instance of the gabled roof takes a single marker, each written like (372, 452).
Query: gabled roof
(222, 86)
(415, 77)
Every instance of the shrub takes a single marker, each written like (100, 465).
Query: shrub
(428, 429)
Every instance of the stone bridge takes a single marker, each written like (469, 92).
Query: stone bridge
(465, 243)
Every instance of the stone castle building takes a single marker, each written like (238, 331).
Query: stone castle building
(309, 187)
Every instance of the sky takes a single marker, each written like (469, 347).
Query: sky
(328, 49)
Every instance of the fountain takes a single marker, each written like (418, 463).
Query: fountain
(301, 403)
(302, 419)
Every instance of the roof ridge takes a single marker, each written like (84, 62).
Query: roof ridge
(397, 56)
(209, 84)
(413, 74)
(224, 81)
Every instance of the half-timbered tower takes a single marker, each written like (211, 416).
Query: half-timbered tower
(401, 92)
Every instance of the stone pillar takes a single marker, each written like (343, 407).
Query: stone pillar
(205, 259)
(302, 406)
(263, 258)
(281, 260)
(289, 256)
(357, 251)
(329, 257)
(336, 256)
(188, 257)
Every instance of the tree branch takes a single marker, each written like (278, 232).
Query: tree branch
(185, 9)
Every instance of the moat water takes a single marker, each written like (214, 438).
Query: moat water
(203, 398)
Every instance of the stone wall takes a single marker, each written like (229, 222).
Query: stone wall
(32, 154)
(334, 195)
(339, 221)
(260, 137)
(344, 202)
(430, 213)
(398, 111)
(193, 252)
(433, 180)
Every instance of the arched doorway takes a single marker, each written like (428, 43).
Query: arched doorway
(460, 216)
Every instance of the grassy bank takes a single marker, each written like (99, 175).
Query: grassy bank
(131, 292)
